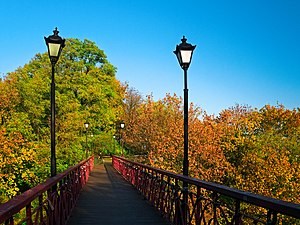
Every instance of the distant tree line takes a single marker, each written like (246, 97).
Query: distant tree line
(255, 150)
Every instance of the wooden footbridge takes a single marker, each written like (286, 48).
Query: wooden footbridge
(120, 192)
(108, 199)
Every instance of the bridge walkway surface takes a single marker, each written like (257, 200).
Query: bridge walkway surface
(108, 199)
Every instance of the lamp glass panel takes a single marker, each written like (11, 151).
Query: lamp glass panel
(86, 125)
(179, 57)
(122, 125)
(186, 56)
(54, 49)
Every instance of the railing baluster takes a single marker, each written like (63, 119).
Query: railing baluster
(10, 221)
(40, 216)
(161, 193)
(198, 206)
(52, 209)
(237, 216)
(28, 214)
(271, 218)
(211, 204)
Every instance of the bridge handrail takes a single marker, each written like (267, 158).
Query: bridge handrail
(50, 186)
(272, 205)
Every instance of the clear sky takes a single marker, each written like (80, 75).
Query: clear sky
(248, 51)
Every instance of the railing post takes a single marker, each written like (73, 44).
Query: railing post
(271, 218)
(237, 216)
(51, 206)
(213, 202)
(41, 208)
(169, 201)
(161, 193)
(28, 214)
(198, 206)
(185, 207)
(178, 215)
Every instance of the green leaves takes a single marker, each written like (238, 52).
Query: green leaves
(86, 89)
(85, 53)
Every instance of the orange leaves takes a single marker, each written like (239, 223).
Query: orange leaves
(271, 174)
(263, 147)
(9, 97)
(158, 131)
(206, 156)
(254, 150)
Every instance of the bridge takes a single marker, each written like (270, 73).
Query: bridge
(125, 192)
(109, 199)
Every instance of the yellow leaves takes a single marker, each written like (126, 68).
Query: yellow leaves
(24, 175)
(18, 158)
(269, 172)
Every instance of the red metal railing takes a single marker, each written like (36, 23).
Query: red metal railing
(51, 202)
(208, 203)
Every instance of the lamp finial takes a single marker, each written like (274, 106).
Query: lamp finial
(55, 32)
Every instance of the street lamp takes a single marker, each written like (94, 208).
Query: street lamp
(86, 124)
(55, 45)
(122, 126)
(92, 144)
(114, 137)
(184, 53)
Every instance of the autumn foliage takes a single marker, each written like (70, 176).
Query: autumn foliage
(250, 149)
(86, 90)
(255, 150)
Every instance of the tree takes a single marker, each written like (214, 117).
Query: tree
(86, 90)
(157, 130)
(250, 149)
(263, 146)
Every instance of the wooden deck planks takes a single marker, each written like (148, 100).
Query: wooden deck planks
(108, 199)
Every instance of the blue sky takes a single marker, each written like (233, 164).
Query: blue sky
(248, 51)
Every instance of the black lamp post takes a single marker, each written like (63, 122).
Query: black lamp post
(122, 126)
(184, 53)
(114, 137)
(55, 45)
(92, 144)
(86, 125)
